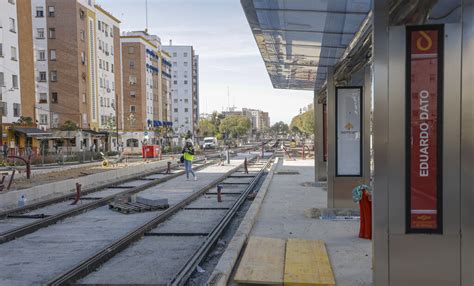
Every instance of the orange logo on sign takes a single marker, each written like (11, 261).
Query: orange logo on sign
(426, 37)
(349, 126)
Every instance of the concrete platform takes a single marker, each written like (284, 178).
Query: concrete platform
(282, 215)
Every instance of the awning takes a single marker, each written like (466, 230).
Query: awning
(31, 131)
(157, 123)
(299, 40)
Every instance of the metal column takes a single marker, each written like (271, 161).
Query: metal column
(467, 145)
(320, 165)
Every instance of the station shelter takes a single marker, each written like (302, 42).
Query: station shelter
(393, 85)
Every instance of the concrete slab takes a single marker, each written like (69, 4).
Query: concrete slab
(151, 261)
(282, 215)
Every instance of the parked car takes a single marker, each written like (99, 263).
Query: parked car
(210, 143)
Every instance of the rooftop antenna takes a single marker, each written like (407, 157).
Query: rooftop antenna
(146, 15)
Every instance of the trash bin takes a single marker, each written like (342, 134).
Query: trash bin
(151, 151)
(362, 195)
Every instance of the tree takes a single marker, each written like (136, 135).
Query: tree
(69, 125)
(206, 128)
(235, 126)
(24, 121)
(303, 123)
(279, 128)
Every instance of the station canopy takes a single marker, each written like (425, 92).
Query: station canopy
(300, 39)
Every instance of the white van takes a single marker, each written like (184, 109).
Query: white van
(209, 143)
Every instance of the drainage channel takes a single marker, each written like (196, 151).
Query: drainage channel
(167, 248)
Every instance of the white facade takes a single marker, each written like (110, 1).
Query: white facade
(181, 88)
(106, 69)
(42, 55)
(9, 62)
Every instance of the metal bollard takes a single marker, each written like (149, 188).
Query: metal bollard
(219, 189)
(78, 194)
(168, 170)
(246, 169)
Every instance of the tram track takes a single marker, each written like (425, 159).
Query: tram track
(147, 230)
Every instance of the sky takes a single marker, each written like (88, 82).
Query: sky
(228, 54)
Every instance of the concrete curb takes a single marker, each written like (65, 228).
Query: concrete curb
(221, 274)
(9, 200)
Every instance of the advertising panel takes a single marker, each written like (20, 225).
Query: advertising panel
(349, 131)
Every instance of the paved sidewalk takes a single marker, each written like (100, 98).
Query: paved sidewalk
(282, 215)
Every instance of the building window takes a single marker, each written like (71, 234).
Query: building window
(51, 11)
(43, 98)
(132, 142)
(14, 81)
(11, 2)
(101, 101)
(186, 110)
(40, 33)
(131, 50)
(16, 110)
(132, 108)
(132, 80)
(39, 11)
(3, 108)
(185, 64)
(12, 25)
(185, 82)
(83, 35)
(175, 55)
(41, 55)
(83, 58)
(175, 100)
(52, 33)
(54, 76)
(175, 82)
(1, 50)
(42, 76)
(14, 58)
(84, 98)
(185, 55)
(133, 93)
(175, 64)
(100, 63)
(54, 97)
(186, 100)
(2, 79)
(175, 110)
(43, 119)
(186, 120)
(52, 55)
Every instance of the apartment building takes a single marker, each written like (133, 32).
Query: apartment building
(184, 88)
(166, 68)
(10, 90)
(145, 89)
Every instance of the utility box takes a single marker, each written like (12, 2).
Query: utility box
(151, 151)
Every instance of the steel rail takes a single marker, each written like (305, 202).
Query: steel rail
(182, 276)
(34, 226)
(90, 264)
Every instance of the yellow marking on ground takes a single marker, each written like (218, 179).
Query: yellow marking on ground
(262, 262)
(307, 263)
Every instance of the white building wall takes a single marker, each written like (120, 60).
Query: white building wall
(9, 61)
(181, 88)
(106, 69)
(40, 47)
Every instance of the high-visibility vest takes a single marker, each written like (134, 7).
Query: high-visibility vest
(188, 156)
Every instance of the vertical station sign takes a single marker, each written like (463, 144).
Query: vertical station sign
(424, 129)
(349, 131)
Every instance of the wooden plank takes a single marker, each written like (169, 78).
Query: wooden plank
(307, 263)
(262, 262)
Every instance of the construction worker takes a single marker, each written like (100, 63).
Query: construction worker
(188, 156)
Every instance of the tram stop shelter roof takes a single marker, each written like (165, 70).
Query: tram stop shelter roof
(299, 39)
